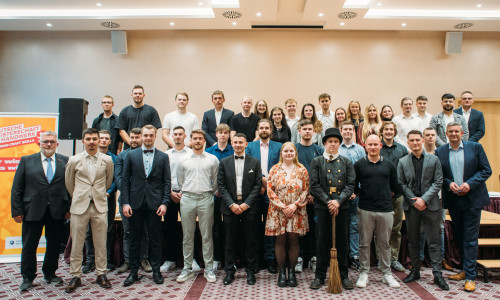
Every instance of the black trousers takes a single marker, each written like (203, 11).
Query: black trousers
(324, 241)
(171, 232)
(31, 233)
(233, 235)
(153, 224)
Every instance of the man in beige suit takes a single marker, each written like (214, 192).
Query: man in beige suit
(88, 176)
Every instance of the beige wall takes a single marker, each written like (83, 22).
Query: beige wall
(37, 68)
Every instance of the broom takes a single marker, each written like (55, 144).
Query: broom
(334, 283)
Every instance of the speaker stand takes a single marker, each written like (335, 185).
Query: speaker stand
(74, 147)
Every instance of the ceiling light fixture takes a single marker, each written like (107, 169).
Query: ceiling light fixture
(234, 23)
(479, 5)
(98, 4)
(403, 24)
(259, 14)
(231, 14)
(172, 23)
(320, 14)
(342, 23)
(49, 24)
(379, 4)
(463, 25)
(200, 3)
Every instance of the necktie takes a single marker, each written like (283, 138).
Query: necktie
(50, 171)
(239, 157)
(148, 151)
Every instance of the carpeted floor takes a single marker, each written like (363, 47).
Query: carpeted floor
(265, 288)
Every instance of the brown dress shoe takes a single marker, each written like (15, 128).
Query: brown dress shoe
(446, 266)
(459, 276)
(103, 281)
(470, 286)
(73, 284)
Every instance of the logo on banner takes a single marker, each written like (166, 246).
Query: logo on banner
(16, 135)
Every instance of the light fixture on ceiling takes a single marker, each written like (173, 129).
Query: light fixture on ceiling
(200, 3)
(234, 23)
(479, 5)
(379, 4)
(231, 14)
(259, 14)
(110, 24)
(346, 15)
(403, 24)
(49, 24)
(98, 4)
(321, 14)
(463, 25)
(172, 23)
(342, 23)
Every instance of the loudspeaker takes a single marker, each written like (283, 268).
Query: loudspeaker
(72, 113)
(453, 44)
(119, 42)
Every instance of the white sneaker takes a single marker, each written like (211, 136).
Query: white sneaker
(362, 280)
(312, 263)
(210, 275)
(389, 279)
(167, 266)
(298, 266)
(195, 267)
(185, 275)
(216, 265)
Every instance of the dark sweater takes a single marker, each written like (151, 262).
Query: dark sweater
(374, 184)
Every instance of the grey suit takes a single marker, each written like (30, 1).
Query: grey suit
(439, 124)
(431, 216)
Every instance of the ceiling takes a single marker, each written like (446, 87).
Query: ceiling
(434, 15)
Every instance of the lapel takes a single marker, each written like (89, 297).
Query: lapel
(155, 161)
(225, 116)
(59, 166)
(269, 154)
(212, 118)
(446, 160)
(141, 158)
(83, 158)
(409, 166)
(467, 152)
(39, 166)
(424, 166)
(99, 160)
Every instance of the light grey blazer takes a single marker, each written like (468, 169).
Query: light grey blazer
(432, 180)
(439, 124)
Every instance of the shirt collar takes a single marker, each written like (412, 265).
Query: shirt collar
(267, 144)
(421, 156)
(45, 157)
(327, 156)
(380, 160)
(459, 146)
(88, 155)
(144, 148)
(351, 145)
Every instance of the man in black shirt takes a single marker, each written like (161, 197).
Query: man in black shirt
(107, 121)
(376, 181)
(246, 121)
(136, 115)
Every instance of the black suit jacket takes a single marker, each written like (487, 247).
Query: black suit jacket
(137, 188)
(209, 124)
(252, 181)
(476, 124)
(31, 191)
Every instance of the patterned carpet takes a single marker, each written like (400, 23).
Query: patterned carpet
(265, 288)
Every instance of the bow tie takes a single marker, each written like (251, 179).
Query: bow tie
(239, 157)
(148, 151)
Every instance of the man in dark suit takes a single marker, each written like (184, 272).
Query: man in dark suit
(268, 153)
(145, 196)
(39, 198)
(214, 117)
(474, 118)
(420, 178)
(465, 171)
(239, 180)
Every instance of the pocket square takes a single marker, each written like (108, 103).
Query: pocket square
(251, 171)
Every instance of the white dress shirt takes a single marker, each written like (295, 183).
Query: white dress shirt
(466, 114)
(424, 121)
(174, 157)
(218, 115)
(264, 156)
(92, 164)
(198, 173)
(239, 165)
(327, 120)
(405, 125)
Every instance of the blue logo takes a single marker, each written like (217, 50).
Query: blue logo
(11, 242)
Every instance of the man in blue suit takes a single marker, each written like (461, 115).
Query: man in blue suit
(268, 153)
(465, 171)
(145, 196)
(214, 117)
(474, 118)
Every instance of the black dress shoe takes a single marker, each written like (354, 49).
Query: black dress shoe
(131, 278)
(414, 275)
(228, 279)
(26, 285)
(110, 266)
(88, 267)
(73, 285)
(53, 279)
(271, 267)
(251, 278)
(282, 278)
(317, 283)
(292, 280)
(347, 284)
(157, 278)
(103, 281)
(441, 283)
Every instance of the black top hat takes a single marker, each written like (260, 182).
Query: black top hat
(332, 132)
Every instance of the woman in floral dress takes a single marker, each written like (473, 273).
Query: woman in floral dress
(287, 188)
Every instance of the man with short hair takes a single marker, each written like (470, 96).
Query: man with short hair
(107, 121)
(39, 199)
(197, 178)
(429, 135)
(465, 171)
(422, 115)
(350, 149)
(291, 112)
(136, 115)
(246, 121)
(332, 184)
(420, 179)
(88, 176)
(179, 117)
(306, 152)
(447, 116)
(474, 118)
(268, 153)
(325, 115)
(216, 116)
(239, 179)
(221, 150)
(406, 121)
(376, 181)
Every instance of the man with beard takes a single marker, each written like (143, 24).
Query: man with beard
(447, 116)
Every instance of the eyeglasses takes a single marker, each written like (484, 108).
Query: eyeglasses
(48, 142)
(467, 98)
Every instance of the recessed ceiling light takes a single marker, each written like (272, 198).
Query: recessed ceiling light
(379, 4)
(479, 5)
(403, 24)
(320, 14)
(49, 24)
(234, 23)
(98, 4)
(342, 23)
(172, 23)
(259, 14)
(200, 3)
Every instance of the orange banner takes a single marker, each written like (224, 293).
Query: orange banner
(19, 134)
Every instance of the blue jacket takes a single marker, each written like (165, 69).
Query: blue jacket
(209, 124)
(253, 149)
(476, 124)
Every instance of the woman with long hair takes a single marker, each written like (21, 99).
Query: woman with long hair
(386, 113)
(354, 114)
(340, 116)
(261, 109)
(287, 189)
(309, 113)
(281, 131)
(371, 125)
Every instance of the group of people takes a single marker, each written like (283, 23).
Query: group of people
(272, 181)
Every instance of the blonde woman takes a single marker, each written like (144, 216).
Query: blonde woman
(354, 114)
(371, 125)
(261, 109)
